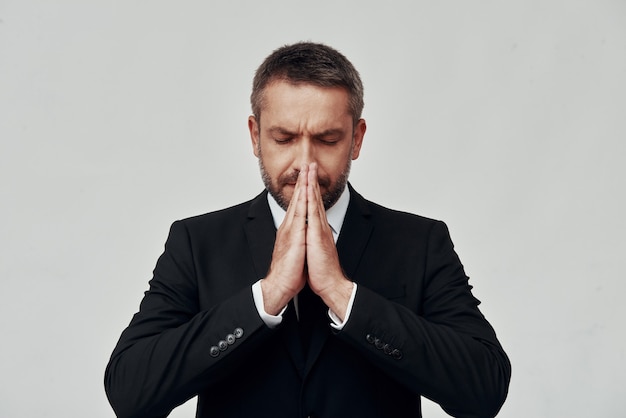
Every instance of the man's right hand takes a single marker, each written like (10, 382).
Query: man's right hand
(287, 276)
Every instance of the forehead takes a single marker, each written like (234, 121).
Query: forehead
(285, 102)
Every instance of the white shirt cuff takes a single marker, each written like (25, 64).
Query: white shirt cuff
(337, 323)
(272, 321)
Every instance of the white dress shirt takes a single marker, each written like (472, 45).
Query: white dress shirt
(335, 216)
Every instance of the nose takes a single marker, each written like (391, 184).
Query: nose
(305, 152)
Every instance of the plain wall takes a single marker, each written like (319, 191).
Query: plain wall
(505, 119)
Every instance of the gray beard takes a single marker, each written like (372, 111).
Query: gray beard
(329, 198)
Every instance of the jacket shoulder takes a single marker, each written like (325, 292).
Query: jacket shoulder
(383, 211)
(392, 217)
(227, 215)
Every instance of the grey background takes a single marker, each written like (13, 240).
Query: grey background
(503, 118)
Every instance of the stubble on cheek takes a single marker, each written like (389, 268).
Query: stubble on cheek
(278, 188)
(282, 189)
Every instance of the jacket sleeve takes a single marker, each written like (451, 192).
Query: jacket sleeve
(171, 349)
(439, 346)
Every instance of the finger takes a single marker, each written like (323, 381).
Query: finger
(317, 210)
(299, 214)
(313, 197)
(320, 204)
(298, 199)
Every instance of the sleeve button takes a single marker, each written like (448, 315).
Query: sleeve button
(238, 332)
(387, 349)
(222, 345)
(396, 354)
(214, 351)
(378, 343)
(230, 339)
(369, 338)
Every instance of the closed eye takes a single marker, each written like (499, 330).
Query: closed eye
(333, 141)
(285, 140)
(330, 137)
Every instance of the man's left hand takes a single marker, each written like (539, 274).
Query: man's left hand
(325, 275)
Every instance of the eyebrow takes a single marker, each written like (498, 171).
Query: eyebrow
(329, 132)
(284, 131)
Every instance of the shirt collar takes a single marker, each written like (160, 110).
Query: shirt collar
(335, 215)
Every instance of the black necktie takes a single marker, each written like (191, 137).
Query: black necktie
(310, 310)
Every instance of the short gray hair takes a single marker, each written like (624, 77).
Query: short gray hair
(309, 63)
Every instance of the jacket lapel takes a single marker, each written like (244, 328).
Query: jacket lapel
(261, 234)
(355, 233)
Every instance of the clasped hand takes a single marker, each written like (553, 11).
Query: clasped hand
(305, 251)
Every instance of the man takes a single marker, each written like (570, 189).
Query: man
(308, 300)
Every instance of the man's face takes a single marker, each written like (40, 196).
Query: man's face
(301, 124)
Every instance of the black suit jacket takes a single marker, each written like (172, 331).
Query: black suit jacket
(415, 328)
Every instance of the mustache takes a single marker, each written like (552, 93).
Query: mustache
(291, 178)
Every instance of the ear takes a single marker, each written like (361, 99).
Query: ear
(255, 135)
(359, 133)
